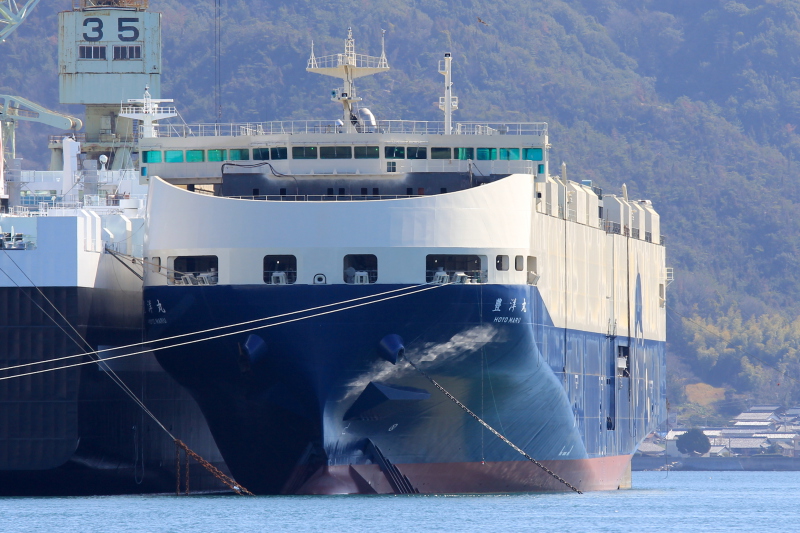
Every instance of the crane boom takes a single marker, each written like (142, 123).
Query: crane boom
(12, 13)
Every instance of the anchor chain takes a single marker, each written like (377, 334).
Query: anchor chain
(177, 471)
(187, 474)
(490, 428)
(230, 482)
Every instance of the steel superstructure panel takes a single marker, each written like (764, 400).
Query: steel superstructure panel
(108, 56)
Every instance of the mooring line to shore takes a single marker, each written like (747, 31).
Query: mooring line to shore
(200, 332)
(214, 337)
(96, 359)
(490, 428)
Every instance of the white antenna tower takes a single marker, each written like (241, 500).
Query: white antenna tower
(148, 112)
(348, 66)
(447, 103)
(12, 13)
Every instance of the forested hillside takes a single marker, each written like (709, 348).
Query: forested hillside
(693, 105)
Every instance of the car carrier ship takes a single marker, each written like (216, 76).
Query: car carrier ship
(318, 285)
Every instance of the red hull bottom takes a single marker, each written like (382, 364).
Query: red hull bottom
(602, 473)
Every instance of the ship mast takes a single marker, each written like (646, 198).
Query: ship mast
(348, 66)
(447, 103)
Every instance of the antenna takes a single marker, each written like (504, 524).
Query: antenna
(447, 103)
(348, 66)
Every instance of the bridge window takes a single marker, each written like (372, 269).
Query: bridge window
(217, 155)
(367, 152)
(174, 156)
(454, 269)
(128, 52)
(151, 156)
(91, 52)
(417, 152)
(487, 154)
(278, 152)
(463, 154)
(304, 152)
(532, 154)
(195, 156)
(360, 269)
(394, 152)
(441, 153)
(509, 154)
(335, 152)
(194, 270)
(260, 154)
(280, 269)
(240, 154)
(519, 264)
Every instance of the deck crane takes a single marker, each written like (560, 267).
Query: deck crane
(15, 108)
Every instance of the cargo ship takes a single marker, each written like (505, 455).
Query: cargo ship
(353, 303)
(71, 279)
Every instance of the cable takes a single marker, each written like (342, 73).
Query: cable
(195, 341)
(212, 329)
(99, 361)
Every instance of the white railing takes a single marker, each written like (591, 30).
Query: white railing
(137, 109)
(353, 60)
(40, 176)
(414, 127)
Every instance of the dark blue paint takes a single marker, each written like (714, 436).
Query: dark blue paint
(551, 392)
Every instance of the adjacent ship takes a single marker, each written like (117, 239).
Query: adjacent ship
(69, 283)
(306, 265)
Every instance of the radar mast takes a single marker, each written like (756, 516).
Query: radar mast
(348, 66)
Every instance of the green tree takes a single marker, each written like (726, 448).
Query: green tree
(693, 441)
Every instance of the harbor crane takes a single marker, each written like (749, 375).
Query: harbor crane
(12, 13)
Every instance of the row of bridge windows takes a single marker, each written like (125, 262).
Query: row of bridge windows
(278, 153)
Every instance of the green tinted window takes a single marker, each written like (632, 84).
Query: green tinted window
(417, 152)
(366, 152)
(395, 152)
(151, 156)
(532, 154)
(279, 152)
(541, 169)
(174, 156)
(335, 152)
(463, 153)
(509, 154)
(240, 154)
(487, 154)
(217, 155)
(260, 154)
(441, 153)
(194, 156)
(304, 152)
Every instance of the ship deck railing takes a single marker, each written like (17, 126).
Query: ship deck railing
(72, 206)
(331, 127)
(322, 197)
(104, 177)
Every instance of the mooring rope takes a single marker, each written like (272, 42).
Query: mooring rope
(218, 328)
(490, 428)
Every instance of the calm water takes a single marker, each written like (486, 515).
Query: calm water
(678, 501)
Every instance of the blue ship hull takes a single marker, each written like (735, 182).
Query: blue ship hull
(320, 402)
